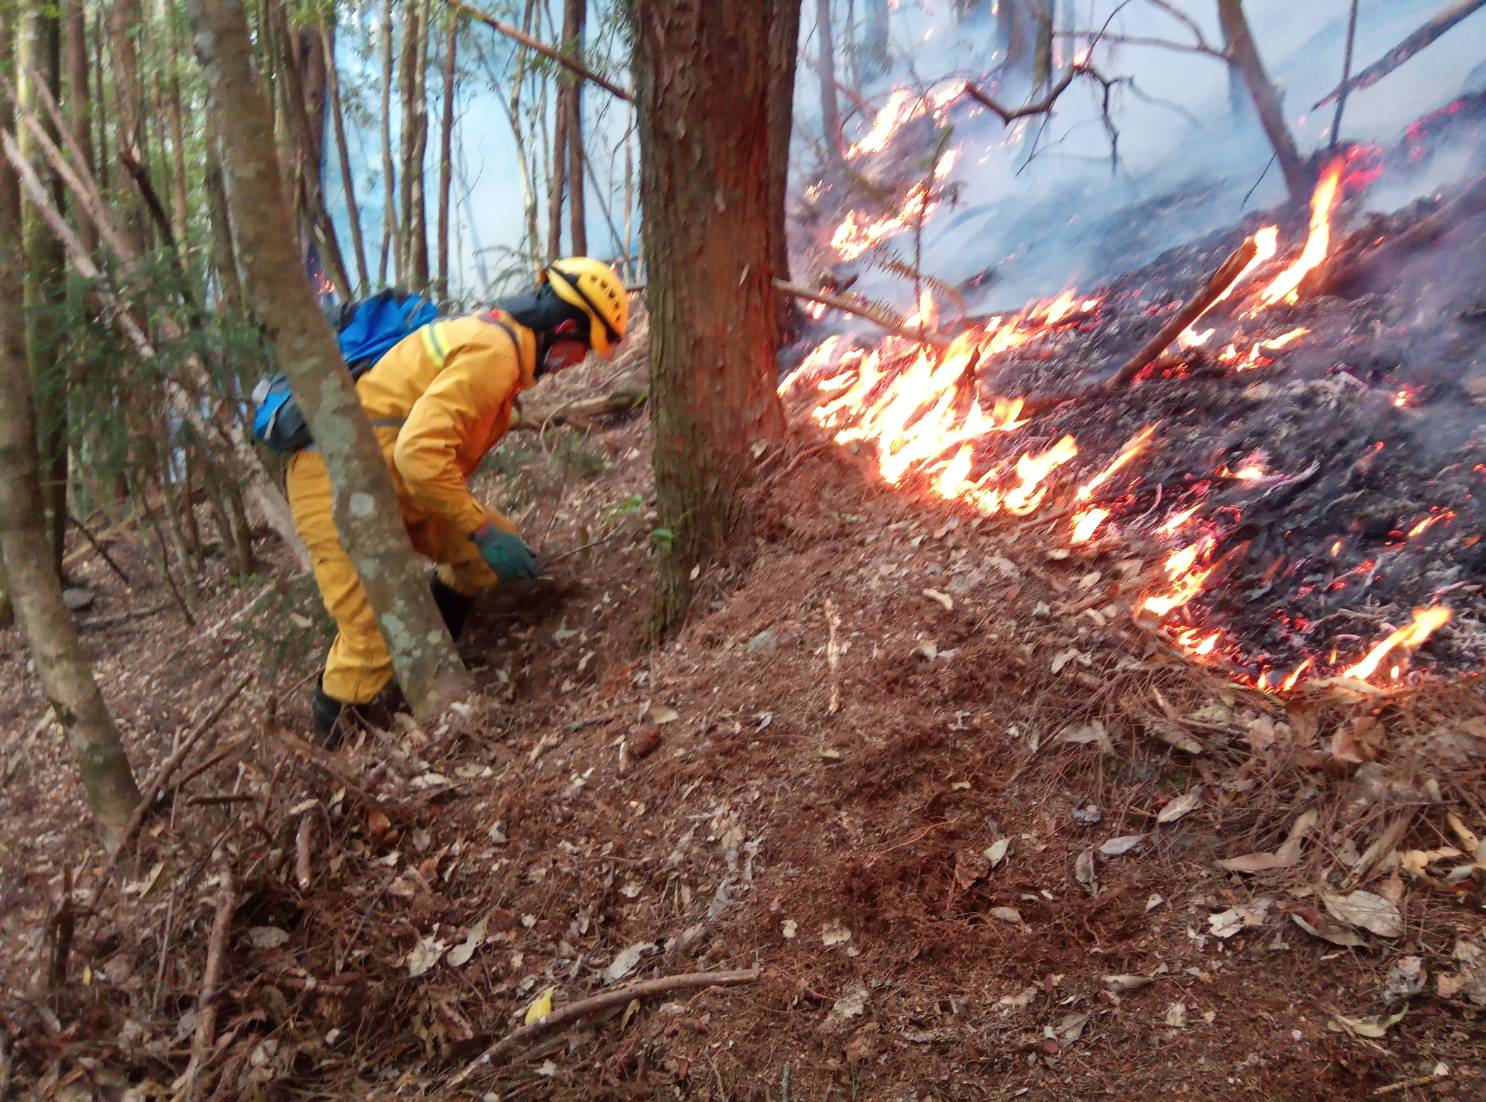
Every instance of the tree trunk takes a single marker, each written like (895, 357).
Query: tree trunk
(391, 238)
(830, 110)
(783, 48)
(414, 145)
(224, 257)
(1298, 178)
(75, 63)
(366, 510)
(706, 96)
(574, 13)
(557, 178)
(343, 153)
(39, 60)
(35, 584)
(446, 151)
(1042, 50)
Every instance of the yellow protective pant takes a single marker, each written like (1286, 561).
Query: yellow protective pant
(358, 665)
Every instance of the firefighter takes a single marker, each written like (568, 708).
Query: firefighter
(438, 401)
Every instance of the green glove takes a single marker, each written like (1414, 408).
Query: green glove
(506, 553)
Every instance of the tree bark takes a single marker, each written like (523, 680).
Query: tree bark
(446, 151)
(39, 61)
(1042, 51)
(365, 508)
(343, 153)
(830, 109)
(78, 99)
(414, 144)
(706, 91)
(784, 41)
(35, 584)
(391, 237)
(558, 176)
(575, 12)
(1298, 178)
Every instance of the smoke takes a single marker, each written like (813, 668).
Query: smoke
(1046, 203)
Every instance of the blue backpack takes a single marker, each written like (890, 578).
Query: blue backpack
(366, 330)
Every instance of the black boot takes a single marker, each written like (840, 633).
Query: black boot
(330, 716)
(454, 606)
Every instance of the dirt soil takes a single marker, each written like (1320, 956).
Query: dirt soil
(957, 808)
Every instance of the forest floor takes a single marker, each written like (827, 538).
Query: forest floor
(958, 809)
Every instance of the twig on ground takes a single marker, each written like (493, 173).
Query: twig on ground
(329, 762)
(158, 780)
(833, 658)
(585, 547)
(122, 617)
(206, 1001)
(1405, 1084)
(605, 1000)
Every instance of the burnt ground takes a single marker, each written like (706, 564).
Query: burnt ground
(807, 781)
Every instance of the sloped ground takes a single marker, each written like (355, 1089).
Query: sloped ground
(880, 765)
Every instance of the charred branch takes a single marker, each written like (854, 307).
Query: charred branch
(859, 307)
(1406, 49)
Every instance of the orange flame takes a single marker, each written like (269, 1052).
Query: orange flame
(1285, 286)
(1086, 523)
(1426, 622)
(1132, 448)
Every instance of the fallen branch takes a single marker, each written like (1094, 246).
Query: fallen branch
(1193, 309)
(161, 777)
(860, 308)
(97, 546)
(596, 1004)
(328, 762)
(616, 401)
(211, 979)
(571, 64)
(122, 617)
(1406, 49)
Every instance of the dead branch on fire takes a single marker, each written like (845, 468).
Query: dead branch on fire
(1190, 311)
(1406, 49)
(1470, 202)
(596, 1004)
(859, 307)
(542, 48)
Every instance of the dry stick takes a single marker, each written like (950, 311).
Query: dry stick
(206, 1002)
(156, 784)
(1405, 1084)
(542, 48)
(861, 310)
(1405, 49)
(93, 540)
(1040, 107)
(329, 762)
(1341, 102)
(606, 1000)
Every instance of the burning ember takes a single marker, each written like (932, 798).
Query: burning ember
(937, 420)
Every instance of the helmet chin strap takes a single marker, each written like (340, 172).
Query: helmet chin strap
(542, 311)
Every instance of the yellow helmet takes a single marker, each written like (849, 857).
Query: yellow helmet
(596, 289)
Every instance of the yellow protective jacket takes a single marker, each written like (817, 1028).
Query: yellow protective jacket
(452, 384)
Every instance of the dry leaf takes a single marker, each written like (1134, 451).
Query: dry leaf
(1374, 1026)
(1365, 910)
(377, 822)
(1124, 844)
(662, 713)
(1287, 855)
(1064, 658)
(1180, 806)
(1082, 734)
(1406, 978)
(790, 929)
(1176, 1015)
(833, 933)
(1128, 982)
(943, 598)
(1069, 1028)
(1083, 870)
(424, 955)
(540, 1007)
(1467, 836)
(267, 937)
(627, 960)
(460, 955)
(851, 1004)
(1337, 935)
(995, 853)
(1006, 914)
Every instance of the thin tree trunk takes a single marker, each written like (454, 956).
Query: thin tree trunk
(1298, 179)
(414, 144)
(35, 585)
(574, 14)
(224, 258)
(1042, 51)
(39, 61)
(343, 152)
(391, 238)
(365, 504)
(783, 44)
(558, 175)
(830, 109)
(707, 92)
(78, 100)
(181, 192)
(446, 151)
